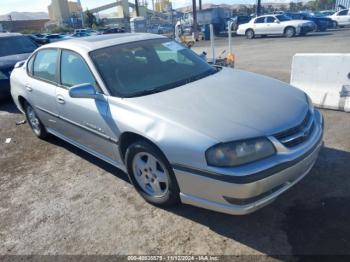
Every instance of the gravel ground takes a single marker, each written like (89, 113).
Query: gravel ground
(56, 199)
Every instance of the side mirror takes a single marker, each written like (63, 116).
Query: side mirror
(277, 21)
(83, 91)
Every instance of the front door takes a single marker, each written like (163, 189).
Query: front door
(273, 25)
(84, 120)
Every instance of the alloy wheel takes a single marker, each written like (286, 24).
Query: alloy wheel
(150, 174)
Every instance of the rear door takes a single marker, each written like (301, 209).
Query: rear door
(41, 85)
(260, 26)
(85, 121)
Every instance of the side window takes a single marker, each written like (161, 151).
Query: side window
(270, 19)
(74, 70)
(45, 65)
(343, 12)
(30, 64)
(259, 20)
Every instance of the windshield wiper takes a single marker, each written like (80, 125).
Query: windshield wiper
(145, 92)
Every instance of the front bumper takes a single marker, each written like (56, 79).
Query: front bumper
(239, 198)
(307, 29)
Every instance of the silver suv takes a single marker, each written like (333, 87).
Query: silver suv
(184, 131)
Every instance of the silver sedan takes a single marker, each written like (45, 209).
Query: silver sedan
(183, 130)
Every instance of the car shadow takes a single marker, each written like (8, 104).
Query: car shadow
(90, 158)
(313, 216)
(8, 106)
(312, 34)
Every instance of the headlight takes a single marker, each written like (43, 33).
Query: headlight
(239, 152)
(309, 102)
(3, 76)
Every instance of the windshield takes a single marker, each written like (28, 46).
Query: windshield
(14, 45)
(150, 66)
(283, 18)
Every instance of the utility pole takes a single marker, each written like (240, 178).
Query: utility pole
(258, 8)
(194, 11)
(81, 14)
(137, 8)
(200, 4)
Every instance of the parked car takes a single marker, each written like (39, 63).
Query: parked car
(238, 20)
(39, 40)
(80, 34)
(55, 37)
(275, 25)
(114, 30)
(326, 12)
(14, 48)
(342, 18)
(183, 130)
(322, 23)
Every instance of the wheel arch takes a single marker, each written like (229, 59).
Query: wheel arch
(289, 26)
(245, 32)
(21, 102)
(128, 138)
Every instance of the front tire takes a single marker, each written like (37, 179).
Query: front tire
(250, 34)
(289, 32)
(151, 174)
(34, 122)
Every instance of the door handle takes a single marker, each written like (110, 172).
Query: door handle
(28, 87)
(60, 100)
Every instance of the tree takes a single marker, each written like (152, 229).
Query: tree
(321, 4)
(300, 6)
(89, 19)
(292, 6)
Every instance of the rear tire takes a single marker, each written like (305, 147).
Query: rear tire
(289, 32)
(151, 174)
(250, 34)
(34, 122)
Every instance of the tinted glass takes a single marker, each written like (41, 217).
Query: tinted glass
(283, 18)
(74, 70)
(270, 19)
(144, 67)
(16, 45)
(259, 20)
(344, 12)
(45, 64)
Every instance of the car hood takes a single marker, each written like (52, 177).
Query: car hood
(229, 105)
(296, 22)
(11, 60)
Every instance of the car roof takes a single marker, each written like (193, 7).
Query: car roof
(91, 43)
(9, 34)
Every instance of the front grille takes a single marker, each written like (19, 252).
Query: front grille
(298, 134)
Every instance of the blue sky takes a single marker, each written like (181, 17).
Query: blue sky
(7, 6)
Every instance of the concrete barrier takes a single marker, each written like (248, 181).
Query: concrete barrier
(325, 78)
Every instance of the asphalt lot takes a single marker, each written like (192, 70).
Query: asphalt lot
(56, 199)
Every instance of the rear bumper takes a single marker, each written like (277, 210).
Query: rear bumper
(239, 198)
